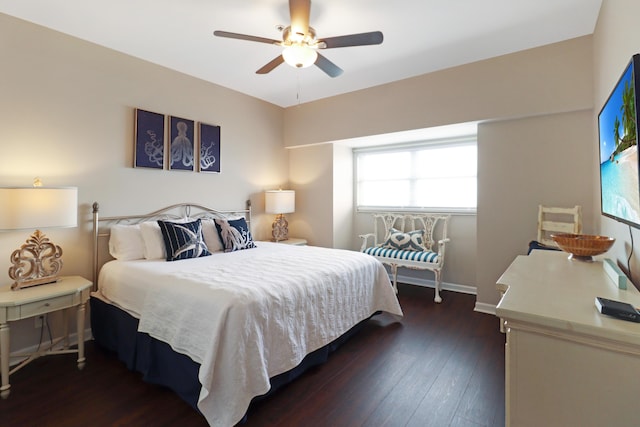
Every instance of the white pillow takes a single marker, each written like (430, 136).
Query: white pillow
(211, 236)
(153, 244)
(125, 242)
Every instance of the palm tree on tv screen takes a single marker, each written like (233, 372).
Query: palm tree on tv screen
(628, 110)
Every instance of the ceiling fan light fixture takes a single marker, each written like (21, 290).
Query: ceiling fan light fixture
(299, 55)
(300, 45)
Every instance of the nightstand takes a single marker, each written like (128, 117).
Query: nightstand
(294, 241)
(68, 292)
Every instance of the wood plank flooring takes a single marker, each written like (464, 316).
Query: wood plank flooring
(440, 365)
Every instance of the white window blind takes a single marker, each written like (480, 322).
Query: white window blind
(427, 176)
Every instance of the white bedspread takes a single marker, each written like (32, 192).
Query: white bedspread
(249, 315)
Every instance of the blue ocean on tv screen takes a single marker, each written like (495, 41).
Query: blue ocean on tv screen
(620, 195)
(619, 152)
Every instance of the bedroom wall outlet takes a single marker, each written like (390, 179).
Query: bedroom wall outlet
(39, 320)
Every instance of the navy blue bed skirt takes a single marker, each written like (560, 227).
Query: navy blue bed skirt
(117, 331)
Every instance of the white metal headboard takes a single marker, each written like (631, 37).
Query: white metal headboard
(102, 226)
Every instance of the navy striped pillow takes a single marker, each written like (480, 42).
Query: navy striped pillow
(183, 240)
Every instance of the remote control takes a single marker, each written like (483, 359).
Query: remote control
(617, 309)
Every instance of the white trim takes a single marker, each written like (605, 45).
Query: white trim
(463, 289)
(482, 307)
(428, 134)
(451, 211)
(470, 139)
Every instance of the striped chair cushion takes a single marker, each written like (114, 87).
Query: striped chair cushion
(424, 256)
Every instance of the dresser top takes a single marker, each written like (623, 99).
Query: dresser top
(549, 290)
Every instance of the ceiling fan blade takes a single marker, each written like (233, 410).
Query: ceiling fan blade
(362, 39)
(245, 37)
(299, 11)
(271, 65)
(328, 67)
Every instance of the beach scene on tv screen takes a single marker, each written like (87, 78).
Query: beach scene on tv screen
(619, 152)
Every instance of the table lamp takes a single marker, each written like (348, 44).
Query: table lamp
(280, 202)
(38, 261)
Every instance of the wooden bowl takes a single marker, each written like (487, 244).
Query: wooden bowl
(583, 246)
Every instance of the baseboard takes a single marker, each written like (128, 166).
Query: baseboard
(454, 287)
(482, 307)
(73, 340)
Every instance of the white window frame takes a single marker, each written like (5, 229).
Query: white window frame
(412, 147)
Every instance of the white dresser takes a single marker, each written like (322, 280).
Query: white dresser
(567, 364)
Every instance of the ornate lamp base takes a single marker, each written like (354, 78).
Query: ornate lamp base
(37, 262)
(280, 229)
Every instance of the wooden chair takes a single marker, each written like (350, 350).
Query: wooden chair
(556, 220)
(553, 220)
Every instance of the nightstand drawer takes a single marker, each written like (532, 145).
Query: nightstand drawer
(41, 307)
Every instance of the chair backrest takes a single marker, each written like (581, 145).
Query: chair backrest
(410, 222)
(558, 220)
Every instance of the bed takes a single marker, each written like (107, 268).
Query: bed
(231, 320)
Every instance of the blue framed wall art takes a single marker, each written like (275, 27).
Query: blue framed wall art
(209, 136)
(181, 144)
(149, 140)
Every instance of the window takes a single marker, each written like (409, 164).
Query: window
(438, 176)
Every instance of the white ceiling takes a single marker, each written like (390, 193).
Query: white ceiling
(420, 36)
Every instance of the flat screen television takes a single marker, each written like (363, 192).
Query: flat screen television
(619, 167)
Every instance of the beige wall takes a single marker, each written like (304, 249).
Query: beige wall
(66, 114)
(343, 193)
(535, 84)
(311, 175)
(550, 79)
(523, 163)
(615, 40)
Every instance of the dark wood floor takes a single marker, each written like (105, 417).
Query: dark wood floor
(440, 365)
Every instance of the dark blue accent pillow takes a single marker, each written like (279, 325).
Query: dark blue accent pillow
(411, 241)
(534, 244)
(183, 240)
(234, 234)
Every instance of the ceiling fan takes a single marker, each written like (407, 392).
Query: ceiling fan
(301, 45)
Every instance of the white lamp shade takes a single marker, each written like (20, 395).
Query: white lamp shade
(299, 56)
(38, 207)
(279, 201)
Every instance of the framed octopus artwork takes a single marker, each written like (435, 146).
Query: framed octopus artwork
(209, 137)
(149, 140)
(181, 144)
